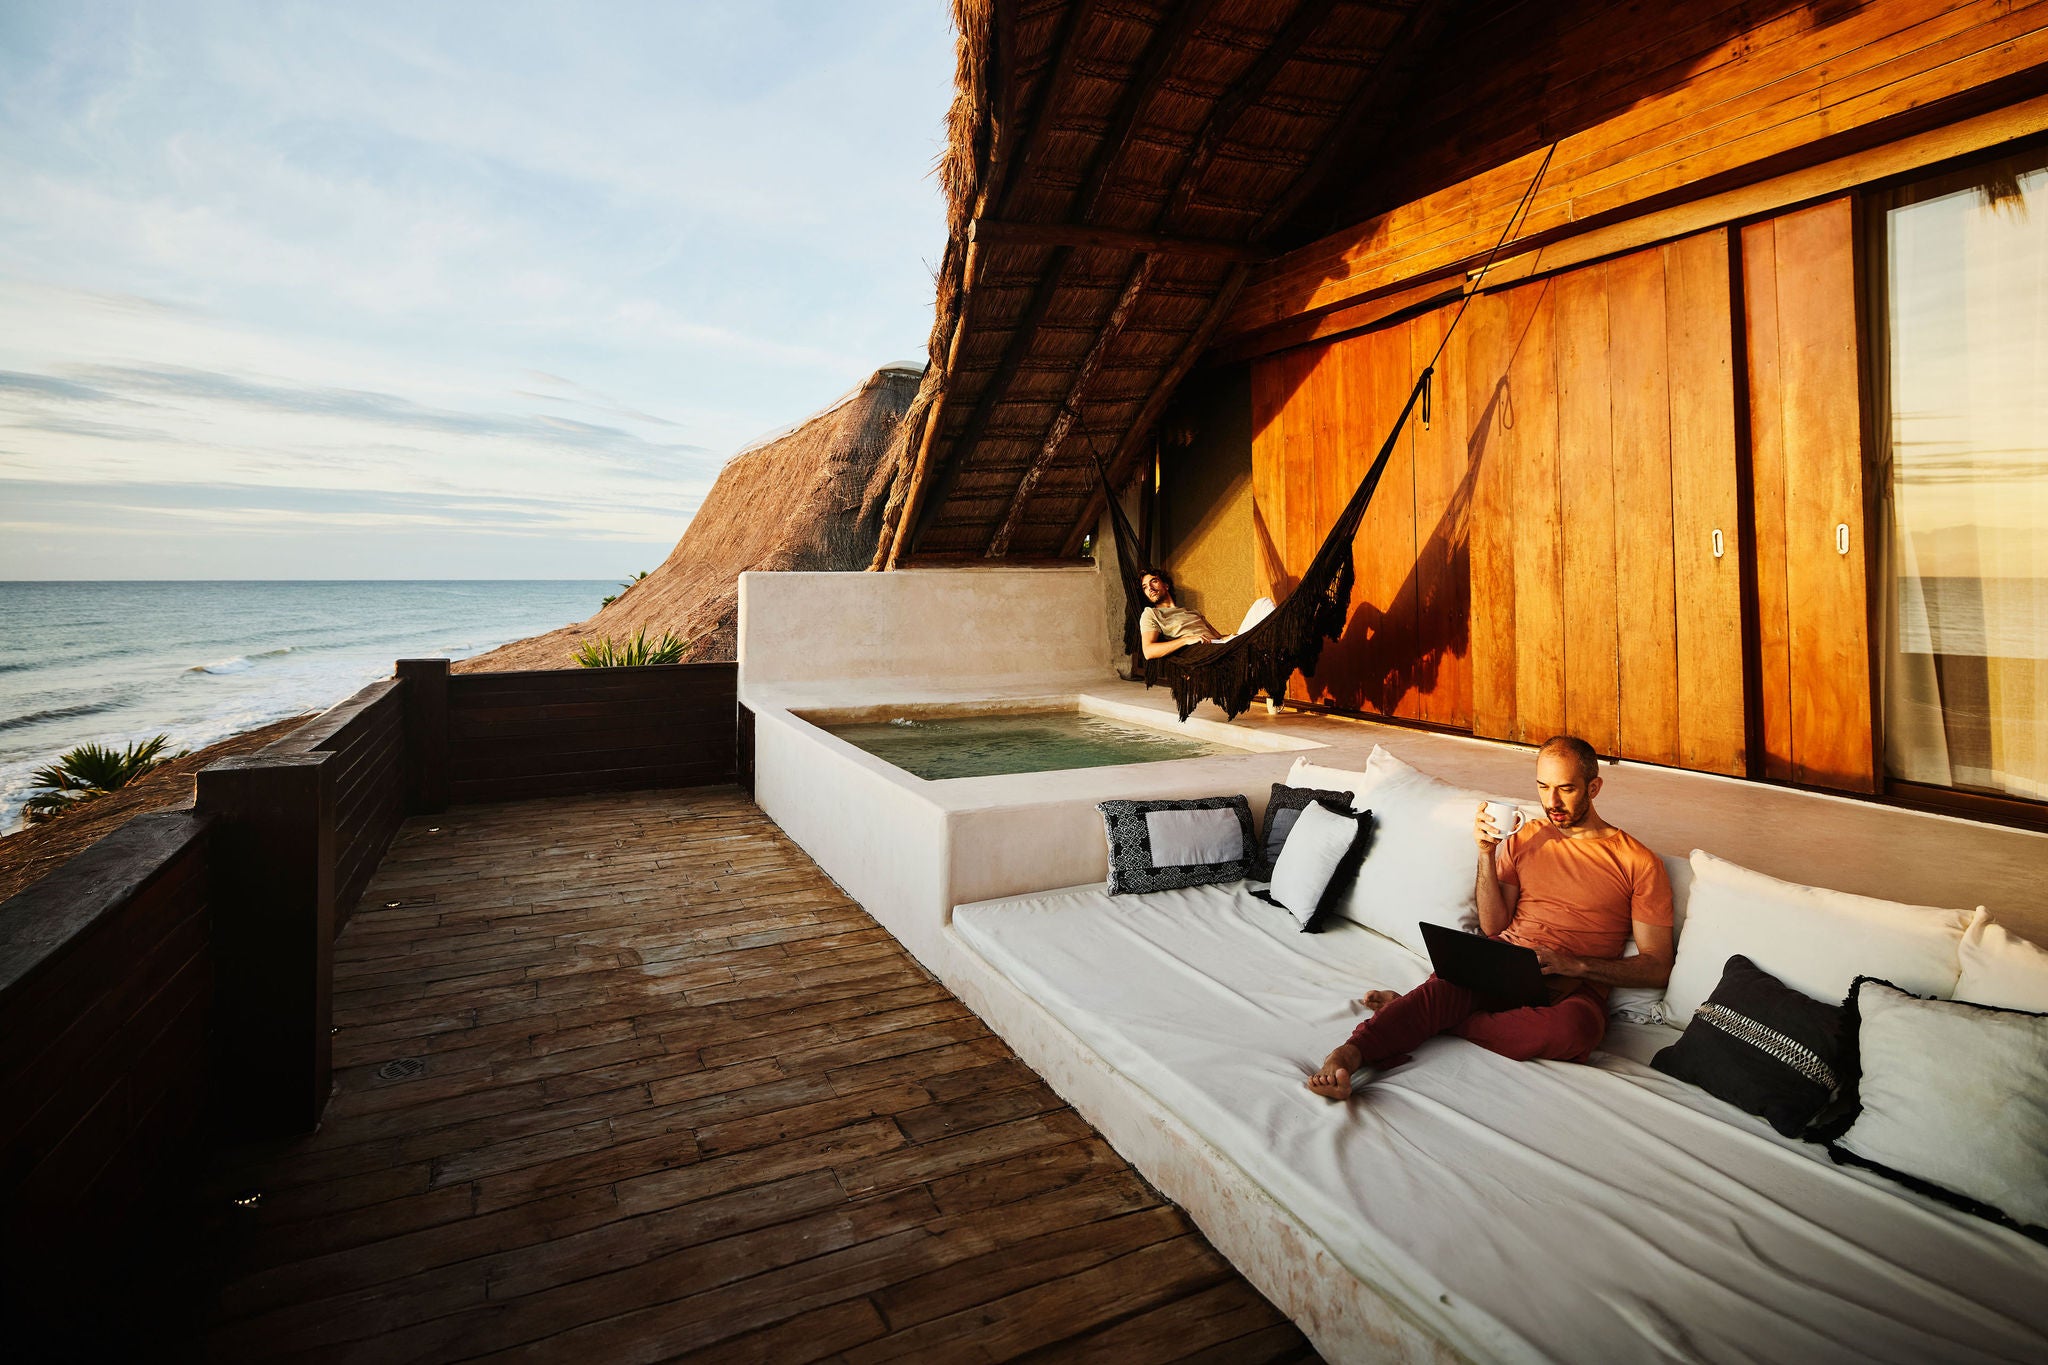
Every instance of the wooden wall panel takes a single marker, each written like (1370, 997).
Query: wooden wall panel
(1528, 429)
(1646, 674)
(1520, 570)
(1478, 375)
(1373, 666)
(1699, 324)
(1767, 483)
(1271, 388)
(1806, 411)
(1445, 480)
(1736, 94)
(1585, 437)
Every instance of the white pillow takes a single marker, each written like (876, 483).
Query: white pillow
(1422, 861)
(2000, 968)
(1955, 1095)
(1309, 859)
(1815, 941)
(1307, 774)
(1643, 1004)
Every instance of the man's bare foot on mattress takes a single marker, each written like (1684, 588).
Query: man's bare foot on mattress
(1333, 1082)
(1375, 1001)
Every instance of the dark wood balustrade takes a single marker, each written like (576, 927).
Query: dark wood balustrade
(172, 985)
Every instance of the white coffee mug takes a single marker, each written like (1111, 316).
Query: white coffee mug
(1507, 817)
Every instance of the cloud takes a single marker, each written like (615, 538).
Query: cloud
(506, 253)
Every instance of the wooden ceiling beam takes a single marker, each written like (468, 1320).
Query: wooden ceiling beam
(1197, 342)
(1166, 42)
(1051, 93)
(998, 232)
(1244, 93)
(1223, 115)
(1070, 406)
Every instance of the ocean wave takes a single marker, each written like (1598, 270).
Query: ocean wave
(238, 664)
(56, 713)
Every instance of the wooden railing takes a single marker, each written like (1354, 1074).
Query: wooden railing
(173, 982)
(106, 1005)
(509, 736)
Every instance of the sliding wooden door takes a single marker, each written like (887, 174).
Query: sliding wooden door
(1606, 581)
(1558, 549)
(1799, 297)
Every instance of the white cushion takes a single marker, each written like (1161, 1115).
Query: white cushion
(2000, 968)
(1307, 774)
(1954, 1095)
(1309, 859)
(1815, 941)
(1644, 1004)
(1183, 837)
(1422, 862)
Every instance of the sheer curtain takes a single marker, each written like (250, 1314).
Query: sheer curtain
(1964, 457)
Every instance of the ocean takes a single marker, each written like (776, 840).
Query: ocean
(118, 662)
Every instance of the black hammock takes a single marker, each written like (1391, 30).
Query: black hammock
(1232, 672)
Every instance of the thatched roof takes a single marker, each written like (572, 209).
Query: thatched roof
(810, 498)
(1115, 167)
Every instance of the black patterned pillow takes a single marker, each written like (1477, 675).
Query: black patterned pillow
(1282, 811)
(1161, 845)
(1763, 1047)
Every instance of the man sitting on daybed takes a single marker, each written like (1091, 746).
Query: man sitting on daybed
(1571, 887)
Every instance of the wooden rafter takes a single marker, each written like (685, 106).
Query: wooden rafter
(997, 232)
(1159, 52)
(1070, 406)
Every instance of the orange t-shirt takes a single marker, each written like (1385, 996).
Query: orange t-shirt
(1580, 895)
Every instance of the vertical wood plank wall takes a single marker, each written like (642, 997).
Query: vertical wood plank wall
(1799, 299)
(1538, 557)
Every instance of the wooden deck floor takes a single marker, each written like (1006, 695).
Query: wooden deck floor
(681, 1097)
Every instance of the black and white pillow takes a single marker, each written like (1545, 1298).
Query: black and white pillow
(1282, 811)
(1162, 845)
(1318, 863)
(1763, 1047)
(1950, 1099)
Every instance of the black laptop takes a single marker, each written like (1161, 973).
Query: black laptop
(1503, 975)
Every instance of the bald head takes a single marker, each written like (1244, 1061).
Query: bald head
(1576, 751)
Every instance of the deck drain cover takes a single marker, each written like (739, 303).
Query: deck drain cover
(404, 1069)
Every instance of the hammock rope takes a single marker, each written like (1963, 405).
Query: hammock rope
(1233, 672)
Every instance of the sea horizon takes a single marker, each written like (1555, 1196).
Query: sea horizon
(116, 661)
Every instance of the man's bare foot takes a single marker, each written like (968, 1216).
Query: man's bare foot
(1333, 1082)
(1376, 1001)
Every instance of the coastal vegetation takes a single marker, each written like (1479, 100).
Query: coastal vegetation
(625, 586)
(601, 651)
(91, 771)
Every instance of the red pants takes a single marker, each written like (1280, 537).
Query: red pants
(1564, 1031)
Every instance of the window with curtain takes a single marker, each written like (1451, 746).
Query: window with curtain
(1965, 278)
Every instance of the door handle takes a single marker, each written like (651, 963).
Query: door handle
(1719, 547)
(1842, 538)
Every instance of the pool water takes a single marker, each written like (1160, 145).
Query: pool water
(1028, 742)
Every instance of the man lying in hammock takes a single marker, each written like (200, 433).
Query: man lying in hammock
(1165, 626)
(1571, 887)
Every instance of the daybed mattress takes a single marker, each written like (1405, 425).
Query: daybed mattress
(1517, 1210)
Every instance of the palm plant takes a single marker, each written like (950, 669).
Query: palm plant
(89, 771)
(603, 652)
(624, 587)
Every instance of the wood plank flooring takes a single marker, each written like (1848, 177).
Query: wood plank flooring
(680, 1097)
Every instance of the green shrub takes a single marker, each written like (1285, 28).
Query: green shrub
(89, 771)
(624, 587)
(604, 652)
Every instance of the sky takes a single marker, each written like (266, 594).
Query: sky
(442, 290)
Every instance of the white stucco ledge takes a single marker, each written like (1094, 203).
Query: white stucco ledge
(909, 850)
